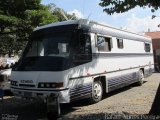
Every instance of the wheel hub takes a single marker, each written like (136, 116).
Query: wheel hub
(97, 90)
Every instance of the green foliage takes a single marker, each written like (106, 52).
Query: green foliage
(9, 44)
(18, 18)
(39, 17)
(120, 6)
(8, 20)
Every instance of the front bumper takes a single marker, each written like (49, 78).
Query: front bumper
(41, 93)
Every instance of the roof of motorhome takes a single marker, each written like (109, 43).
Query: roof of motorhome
(85, 22)
(57, 24)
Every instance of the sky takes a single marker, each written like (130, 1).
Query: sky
(137, 20)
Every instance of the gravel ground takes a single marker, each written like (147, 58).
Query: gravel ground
(132, 102)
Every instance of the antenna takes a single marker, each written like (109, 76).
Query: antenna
(65, 17)
(89, 15)
(83, 6)
(73, 15)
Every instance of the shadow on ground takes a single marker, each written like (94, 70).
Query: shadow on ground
(25, 110)
(36, 110)
(155, 110)
(111, 116)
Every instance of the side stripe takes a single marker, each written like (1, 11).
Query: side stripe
(120, 81)
(122, 78)
(80, 91)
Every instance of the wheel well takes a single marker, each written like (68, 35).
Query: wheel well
(142, 70)
(103, 81)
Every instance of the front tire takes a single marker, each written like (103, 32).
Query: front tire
(141, 78)
(97, 92)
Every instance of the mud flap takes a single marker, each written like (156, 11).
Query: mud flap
(1, 96)
(53, 107)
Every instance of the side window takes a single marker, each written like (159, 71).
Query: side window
(147, 47)
(84, 44)
(120, 43)
(104, 43)
(83, 52)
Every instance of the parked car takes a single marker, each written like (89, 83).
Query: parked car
(4, 79)
(10, 61)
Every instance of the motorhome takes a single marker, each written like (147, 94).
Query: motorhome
(80, 59)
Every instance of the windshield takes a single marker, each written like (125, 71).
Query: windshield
(47, 52)
(56, 44)
(54, 49)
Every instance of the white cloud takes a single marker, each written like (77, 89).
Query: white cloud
(120, 15)
(137, 24)
(77, 13)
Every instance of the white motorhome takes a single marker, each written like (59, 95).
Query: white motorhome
(79, 59)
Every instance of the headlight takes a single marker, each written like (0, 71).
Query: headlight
(50, 85)
(53, 85)
(42, 85)
(47, 85)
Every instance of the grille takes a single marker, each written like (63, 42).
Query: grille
(26, 85)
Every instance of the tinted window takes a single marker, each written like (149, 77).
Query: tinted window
(82, 52)
(106, 46)
(120, 43)
(147, 47)
(56, 44)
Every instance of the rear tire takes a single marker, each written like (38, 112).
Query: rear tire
(97, 92)
(141, 78)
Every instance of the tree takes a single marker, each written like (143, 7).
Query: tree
(120, 6)
(17, 20)
(60, 13)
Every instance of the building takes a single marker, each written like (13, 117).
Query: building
(156, 46)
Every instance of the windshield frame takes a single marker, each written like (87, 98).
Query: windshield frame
(66, 62)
